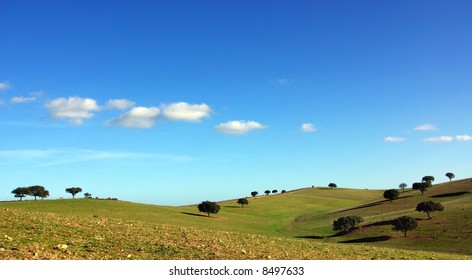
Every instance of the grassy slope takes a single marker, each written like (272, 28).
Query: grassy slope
(265, 228)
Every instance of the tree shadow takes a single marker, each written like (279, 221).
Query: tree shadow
(310, 237)
(359, 207)
(368, 239)
(378, 224)
(194, 214)
(450, 194)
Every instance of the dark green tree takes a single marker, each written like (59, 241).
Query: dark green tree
(332, 185)
(43, 193)
(404, 224)
(346, 224)
(21, 192)
(243, 201)
(450, 175)
(391, 194)
(209, 207)
(87, 195)
(283, 191)
(36, 191)
(403, 186)
(73, 191)
(428, 207)
(274, 191)
(267, 192)
(254, 193)
(428, 179)
(421, 186)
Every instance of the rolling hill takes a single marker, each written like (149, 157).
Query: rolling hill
(294, 225)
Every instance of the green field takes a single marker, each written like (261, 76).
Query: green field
(294, 225)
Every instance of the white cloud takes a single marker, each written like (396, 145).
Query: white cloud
(238, 127)
(463, 138)
(74, 109)
(394, 139)
(20, 99)
(440, 139)
(426, 127)
(119, 104)
(182, 111)
(308, 127)
(4, 85)
(137, 117)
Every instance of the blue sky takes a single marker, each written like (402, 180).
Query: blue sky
(175, 102)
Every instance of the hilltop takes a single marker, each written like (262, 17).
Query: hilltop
(293, 225)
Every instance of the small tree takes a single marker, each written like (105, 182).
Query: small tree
(254, 193)
(428, 207)
(21, 192)
(391, 194)
(450, 175)
(209, 207)
(36, 191)
(421, 186)
(402, 186)
(274, 191)
(404, 224)
(73, 191)
(267, 192)
(87, 195)
(428, 179)
(243, 201)
(346, 224)
(283, 191)
(332, 185)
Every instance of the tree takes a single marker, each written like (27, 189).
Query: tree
(391, 194)
(428, 207)
(403, 186)
(37, 191)
(267, 192)
(274, 191)
(283, 191)
(209, 207)
(421, 186)
(428, 179)
(254, 193)
(87, 195)
(450, 175)
(21, 192)
(73, 191)
(404, 224)
(43, 194)
(346, 224)
(332, 185)
(243, 201)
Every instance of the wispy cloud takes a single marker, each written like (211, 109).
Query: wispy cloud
(182, 111)
(464, 138)
(52, 157)
(391, 139)
(426, 127)
(121, 104)
(307, 128)
(440, 139)
(238, 127)
(4, 85)
(20, 99)
(137, 117)
(73, 109)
